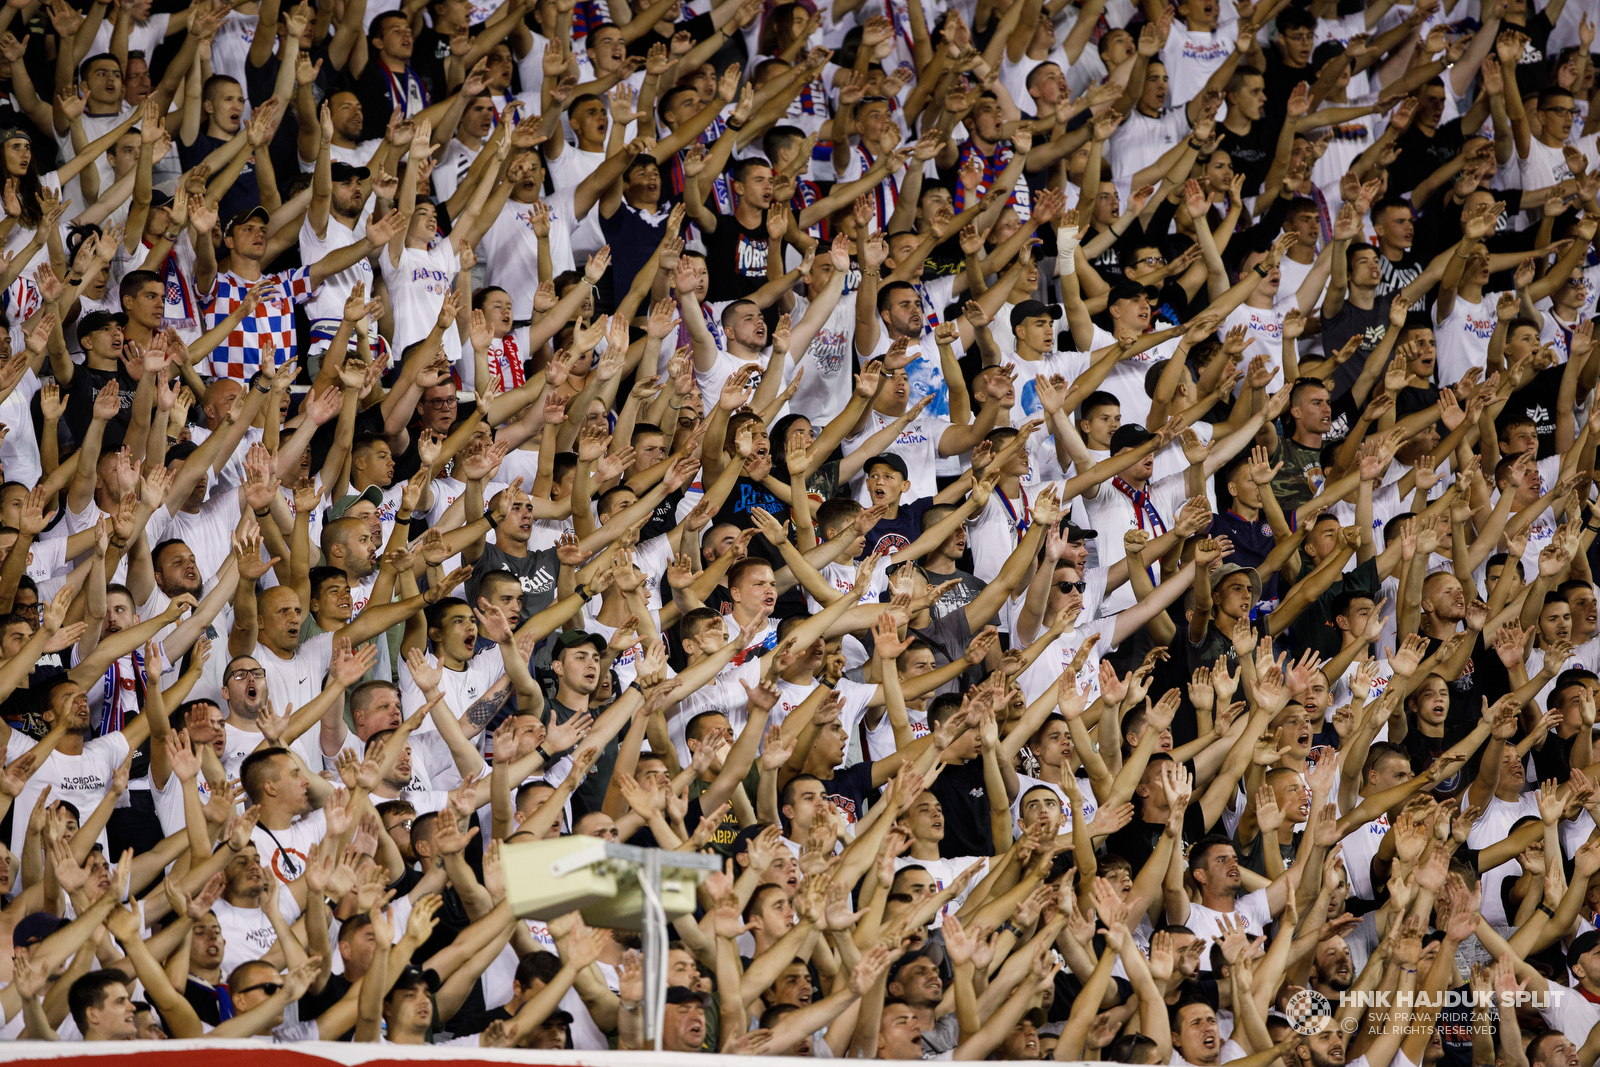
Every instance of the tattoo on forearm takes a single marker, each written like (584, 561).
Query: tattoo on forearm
(485, 707)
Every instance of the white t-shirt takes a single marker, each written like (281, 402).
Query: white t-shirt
(327, 301)
(81, 780)
(247, 932)
(417, 288)
(918, 445)
(511, 251)
(825, 389)
(286, 852)
(1463, 337)
(1249, 911)
(1493, 825)
(1112, 510)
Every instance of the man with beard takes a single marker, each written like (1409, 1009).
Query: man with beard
(295, 669)
(1332, 969)
(1214, 899)
(338, 193)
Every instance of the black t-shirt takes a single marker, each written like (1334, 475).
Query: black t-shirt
(1539, 400)
(1370, 323)
(738, 257)
(314, 1004)
(1425, 751)
(1137, 841)
(964, 796)
(1533, 69)
(80, 395)
(1280, 79)
(376, 89)
(243, 195)
(1421, 155)
(1315, 626)
(1395, 274)
(850, 789)
(591, 792)
(1251, 152)
(747, 495)
(428, 54)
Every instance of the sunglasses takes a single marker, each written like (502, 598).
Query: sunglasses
(1067, 587)
(270, 988)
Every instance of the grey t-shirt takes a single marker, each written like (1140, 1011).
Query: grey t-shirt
(537, 571)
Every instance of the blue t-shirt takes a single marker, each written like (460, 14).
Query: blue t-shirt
(900, 531)
(1252, 544)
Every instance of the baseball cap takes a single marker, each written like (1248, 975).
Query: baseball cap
(343, 172)
(1587, 941)
(574, 638)
(1223, 570)
(1129, 435)
(1032, 309)
(371, 494)
(891, 460)
(40, 925)
(160, 199)
(257, 212)
(96, 321)
(1076, 533)
(1127, 290)
(1036, 1016)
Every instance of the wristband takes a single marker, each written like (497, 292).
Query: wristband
(732, 127)
(1009, 925)
(1196, 147)
(1547, 910)
(542, 752)
(583, 591)
(1260, 270)
(264, 511)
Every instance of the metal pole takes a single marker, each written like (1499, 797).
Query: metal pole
(655, 946)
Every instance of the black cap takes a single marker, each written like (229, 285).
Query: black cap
(1587, 941)
(1033, 309)
(96, 321)
(1075, 533)
(35, 927)
(574, 638)
(343, 172)
(1129, 435)
(682, 994)
(257, 212)
(160, 199)
(889, 459)
(1127, 290)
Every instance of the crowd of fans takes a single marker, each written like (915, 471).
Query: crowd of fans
(1086, 507)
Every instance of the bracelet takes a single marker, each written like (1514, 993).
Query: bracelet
(732, 127)
(583, 591)
(1409, 970)
(1588, 526)
(1196, 147)
(116, 545)
(1260, 270)
(1009, 925)
(1547, 910)
(70, 280)
(542, 752)
(264, 511)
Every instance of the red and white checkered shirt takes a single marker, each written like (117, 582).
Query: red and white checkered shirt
(268, 327)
